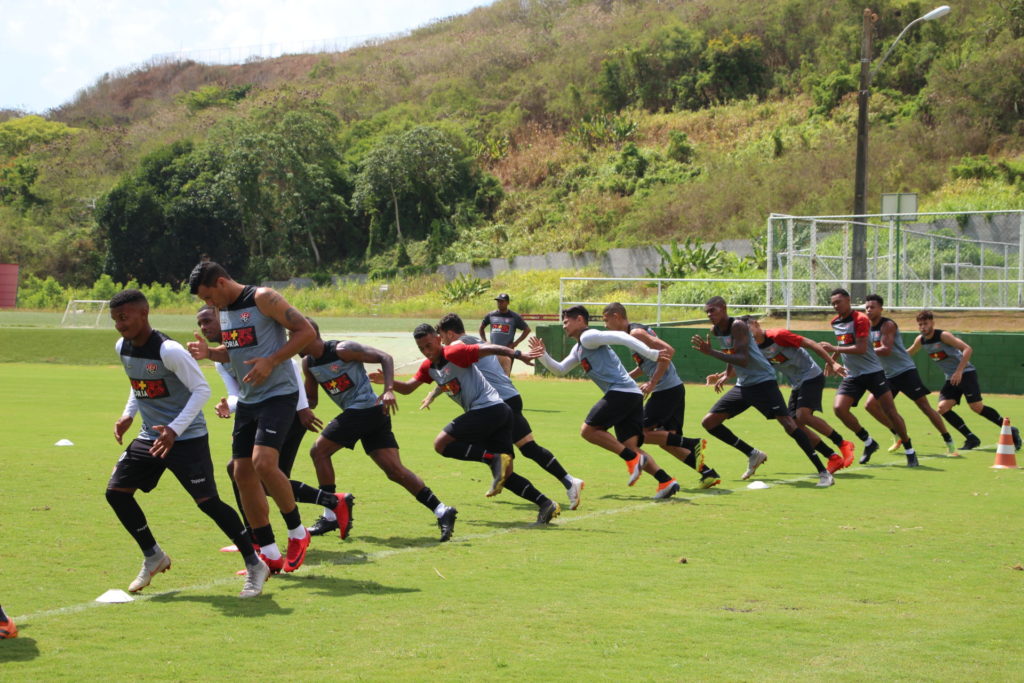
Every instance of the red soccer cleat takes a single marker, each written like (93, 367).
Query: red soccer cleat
(836, 462)
(343, 512)
(846, 448)
(296, 552)
(8, 629)
(275, 565)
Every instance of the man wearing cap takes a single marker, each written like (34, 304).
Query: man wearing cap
(504, 323)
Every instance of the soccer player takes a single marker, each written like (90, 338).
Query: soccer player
(665, 394)
(338, 504)
(453, 331)
(504, 323)
(169, 390)
(8, 629)
(337, 367)
(622, 405)
(254, 323)
(483, 433)
(755, 386)
(787, 352)
(900, 371)
(954, 357)
(863, 373)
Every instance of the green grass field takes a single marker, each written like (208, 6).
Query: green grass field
(893, 574)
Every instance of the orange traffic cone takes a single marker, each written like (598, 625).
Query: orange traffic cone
(1005, 453)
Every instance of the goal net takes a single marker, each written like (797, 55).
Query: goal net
(84, 313)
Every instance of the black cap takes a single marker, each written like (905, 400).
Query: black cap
(501, 297)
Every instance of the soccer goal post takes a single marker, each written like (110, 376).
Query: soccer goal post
(83, 313)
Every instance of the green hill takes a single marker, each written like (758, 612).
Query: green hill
(522, 127)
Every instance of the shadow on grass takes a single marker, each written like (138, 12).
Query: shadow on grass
(232, 605)
(337, 586)
(19, 649)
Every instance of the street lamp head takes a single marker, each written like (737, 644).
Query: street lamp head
(936, 13)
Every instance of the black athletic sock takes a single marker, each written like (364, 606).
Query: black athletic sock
(545, 459)
(690, 443)
(907, 446)
(427, 498)
(461, 450)
(990, 414)
(134, 520)
(824, 449)
(723, 433)
(292, 519)
(690, 460)
(3, 615)
(674, 439)
(304, 493)
(662, 476)
(627, 454)
(804, 441)
(238, 501)
(230, 523)
(264, 535)
(957, 423)
(946, 437)
(522, 487)
(836, 438)
(863, 434)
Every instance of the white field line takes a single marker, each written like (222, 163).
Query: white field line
(382, 554)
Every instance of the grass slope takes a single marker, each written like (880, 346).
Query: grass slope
(893, 574)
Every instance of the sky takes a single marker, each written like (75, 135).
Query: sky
(51, 49)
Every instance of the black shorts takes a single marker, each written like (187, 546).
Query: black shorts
(765, 396)
(189, 460)
(807, 395)
(968, 388)
(622, 410)
(372, 426)
(490, 427)
(262, 424)
(664, 410)
(856, 386)
(520, 425)
(290, 447)
(909, 383)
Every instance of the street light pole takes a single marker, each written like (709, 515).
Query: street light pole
(858, 252)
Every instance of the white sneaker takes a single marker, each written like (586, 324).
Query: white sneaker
(151, 566)
(825, 479)
(255, 577)
(574, 492)
(754, 460)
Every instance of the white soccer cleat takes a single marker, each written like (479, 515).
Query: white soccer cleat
(825, 479)
(754, 460)
(255, 577)
(151, 566)
(574, 491)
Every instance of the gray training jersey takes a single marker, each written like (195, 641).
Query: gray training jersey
(785, 351)
(157, 391)
(248, 334)
(504, 326)
(492, 371)
(457, 374)
(670, 380)
(847, 331)
(758, 368)
(346, 382)
(948, 357)
(898, 361)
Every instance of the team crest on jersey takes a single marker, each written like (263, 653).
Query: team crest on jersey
(239, 338)
(586, 365)
(501, 327)
(637, 359)
(151, 368)
(778, 358)
(938, 355)
(337, 385)
(149, 388)
(845, 338)
(245, 315)
(453, 387)
(335, 367)
(877, 343)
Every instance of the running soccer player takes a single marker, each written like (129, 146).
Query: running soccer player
(8, 629)
(338, 504)
(483, 433)
(900, 372)
(954, 358)
(755, 386)
(453, 331)
(622, 405)
(504, 323)
(254, 323)
(337, 367)
(863, 373)
(787, 352)
(665, 394)
(169, 390)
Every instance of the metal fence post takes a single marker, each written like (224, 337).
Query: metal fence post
(770, 256)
